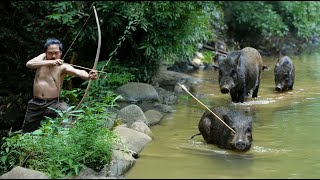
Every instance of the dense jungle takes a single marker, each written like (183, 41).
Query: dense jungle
(137, 37)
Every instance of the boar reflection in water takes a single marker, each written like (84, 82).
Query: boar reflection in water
(215, 132)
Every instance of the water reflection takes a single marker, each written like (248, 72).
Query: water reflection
(285, 132)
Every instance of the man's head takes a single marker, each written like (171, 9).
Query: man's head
(53, 49)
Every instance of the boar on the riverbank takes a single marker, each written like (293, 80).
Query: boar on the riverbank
(239, 73)
(284, 74)
(215, 132)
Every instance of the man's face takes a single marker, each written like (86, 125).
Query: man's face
(53, 52)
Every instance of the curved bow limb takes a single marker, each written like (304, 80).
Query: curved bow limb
(96, 59)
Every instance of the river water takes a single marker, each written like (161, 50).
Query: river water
(286, 131)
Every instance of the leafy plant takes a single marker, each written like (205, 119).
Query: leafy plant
(257, 16)
(272, 21)
(70, 96)
(116, 75)
(61, 151)
(301, 17)
(207, 56)
(152, 32)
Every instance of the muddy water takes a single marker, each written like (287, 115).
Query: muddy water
(286, 131)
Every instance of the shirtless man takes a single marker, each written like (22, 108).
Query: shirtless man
(47, 84)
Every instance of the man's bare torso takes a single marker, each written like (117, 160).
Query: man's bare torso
(48, 82)
(51, 72)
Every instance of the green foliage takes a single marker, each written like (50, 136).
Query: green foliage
(137, 35)
(302, 17)
(257, 16)
(101, 89)
(186, 24)
(116, 75)
(18, 45)
(207, 56)
(75, 20)
(60, 151)
(140, 35)
(183, 97)
(157, 31)
(70, 96)
(274, 19)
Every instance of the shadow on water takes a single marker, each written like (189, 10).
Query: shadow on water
(285, 131)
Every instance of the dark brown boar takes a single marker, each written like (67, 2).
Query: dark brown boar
(239, 73)
(284, 74)
(215, 132)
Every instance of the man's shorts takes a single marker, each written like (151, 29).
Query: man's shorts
(37, 109)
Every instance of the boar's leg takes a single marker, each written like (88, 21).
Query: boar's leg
(241, 95)
(255, 91)
(234, 95)
(256, 88)
(290, 87)
(205, 128)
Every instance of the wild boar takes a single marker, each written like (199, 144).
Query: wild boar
(239, 73)
(215, 132)
(284, 74)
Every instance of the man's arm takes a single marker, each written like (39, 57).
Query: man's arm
(39, 61)
(80, 73)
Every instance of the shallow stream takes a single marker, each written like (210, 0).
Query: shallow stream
(286, 131)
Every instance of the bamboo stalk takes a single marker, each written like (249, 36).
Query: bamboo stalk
(213, 49)
(184, 88)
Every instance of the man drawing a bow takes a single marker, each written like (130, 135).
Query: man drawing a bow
(47, 84)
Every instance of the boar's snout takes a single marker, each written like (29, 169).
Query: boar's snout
(226, 86)
(240, 145)
(278, 88)
(225, 90)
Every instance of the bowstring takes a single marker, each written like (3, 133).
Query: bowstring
(59, 89)
(77, 34)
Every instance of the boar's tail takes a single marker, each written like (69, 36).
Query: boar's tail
(265, 68)
(195, 135)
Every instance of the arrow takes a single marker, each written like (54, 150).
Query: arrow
(85, 68)
(184, 88)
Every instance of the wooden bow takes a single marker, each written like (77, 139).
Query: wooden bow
(95, 61)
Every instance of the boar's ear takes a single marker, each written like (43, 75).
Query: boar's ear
(221, 58)
(237, 59)
(226, 119)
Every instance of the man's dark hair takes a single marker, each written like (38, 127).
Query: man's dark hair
(51, 41)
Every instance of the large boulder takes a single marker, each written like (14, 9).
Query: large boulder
(141, 127)
(134, 140)
(169, 79)
(153, 117)
(166, 97)
(19, 172)
(136, 92)
(131, 114)
(121, 162)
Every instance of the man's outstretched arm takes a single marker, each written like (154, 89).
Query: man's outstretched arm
(80, 73)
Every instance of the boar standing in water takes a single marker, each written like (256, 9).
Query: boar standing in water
(239, 73)
(215, 132)
(284, 74)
